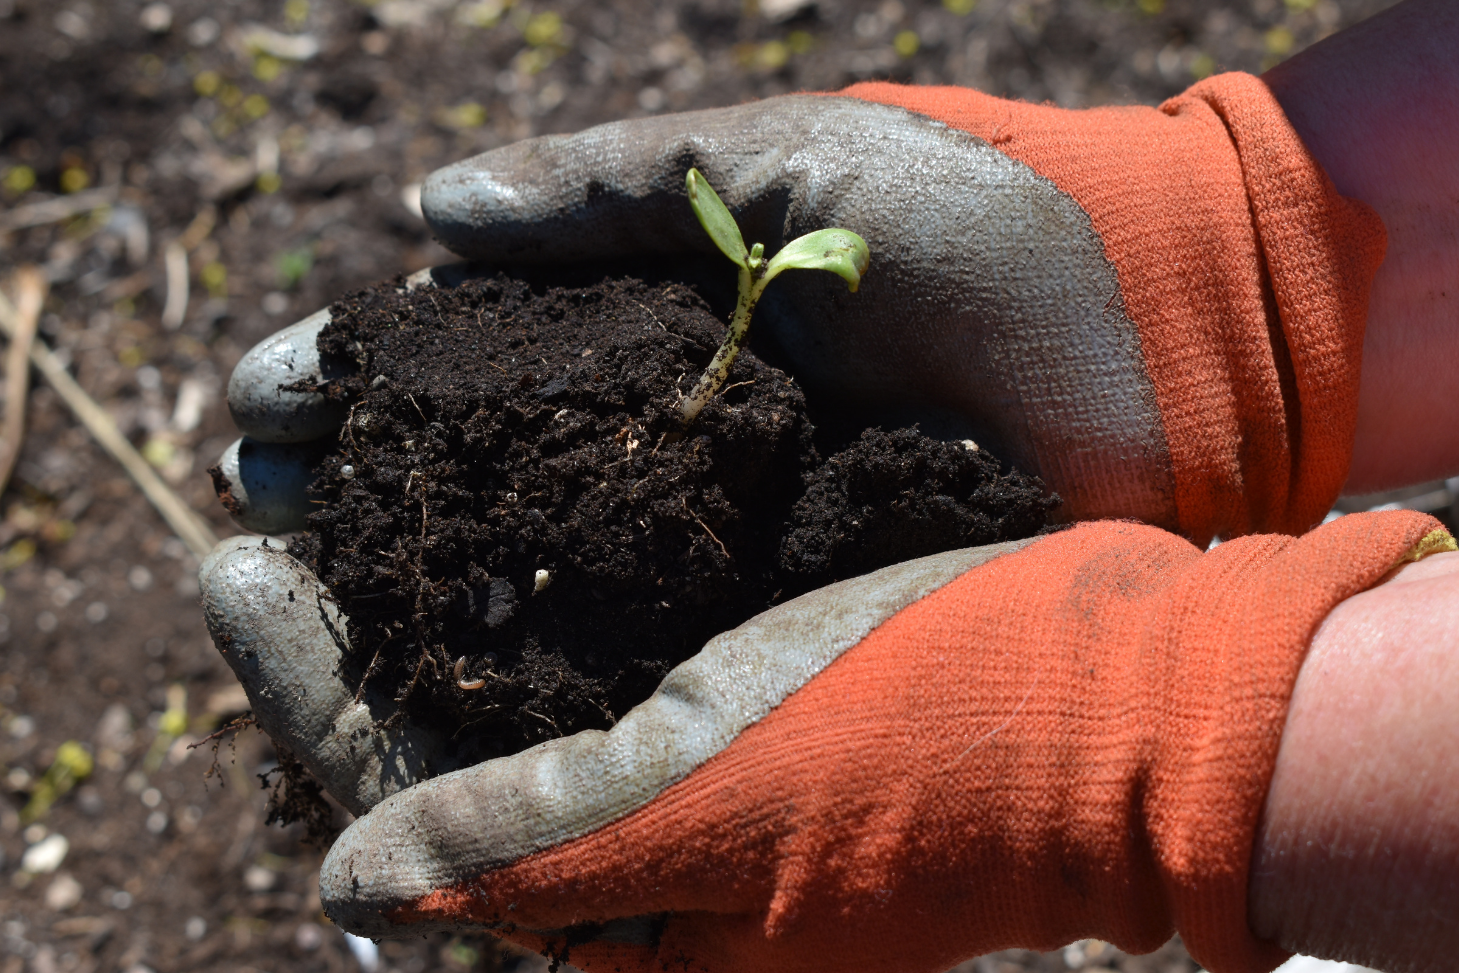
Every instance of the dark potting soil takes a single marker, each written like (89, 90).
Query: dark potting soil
(525, 545)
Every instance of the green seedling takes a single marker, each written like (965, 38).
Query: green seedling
(839, 251)
(72, 765)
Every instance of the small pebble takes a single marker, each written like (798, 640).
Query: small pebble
(970, 446)
(196, 928)
(541, 579)
(46, 855)
(203, 32)
(259, 879)
(139, 577)
(379, 381)
(651, 99)
(63, 893)
(156, 18)
(347, 471)
(308, 936)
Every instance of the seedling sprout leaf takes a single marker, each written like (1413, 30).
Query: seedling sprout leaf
(839, 251)
(716, 219)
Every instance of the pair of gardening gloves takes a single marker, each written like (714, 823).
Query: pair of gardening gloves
(1158, 311)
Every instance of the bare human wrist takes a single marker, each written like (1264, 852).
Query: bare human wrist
(1359, 841)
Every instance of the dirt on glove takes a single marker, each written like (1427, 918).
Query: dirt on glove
(524, 537)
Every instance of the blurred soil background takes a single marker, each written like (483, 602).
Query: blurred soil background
(194, 175)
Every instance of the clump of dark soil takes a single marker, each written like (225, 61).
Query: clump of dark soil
(524, 539)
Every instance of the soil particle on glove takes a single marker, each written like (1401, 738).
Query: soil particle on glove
(524, 539)
(223, 487)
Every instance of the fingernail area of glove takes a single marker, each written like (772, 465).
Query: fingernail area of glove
(263, 485)
(266, 411)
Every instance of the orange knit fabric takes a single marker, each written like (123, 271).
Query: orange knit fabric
(1245, 272)
(1071, 741)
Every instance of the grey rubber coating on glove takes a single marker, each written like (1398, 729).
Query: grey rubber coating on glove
(264, 411)
(266, 484)
(990, 310)
(453, 828)
(283, 637)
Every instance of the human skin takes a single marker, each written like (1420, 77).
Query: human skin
(1357, 856)
(1378, 106)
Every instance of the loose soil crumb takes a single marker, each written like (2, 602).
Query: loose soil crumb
(525, 543)
(895, 496)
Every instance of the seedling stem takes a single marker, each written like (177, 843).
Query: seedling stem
(839, 251)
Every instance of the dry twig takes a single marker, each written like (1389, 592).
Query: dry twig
(701, 523)
(31, 287)
(188, 526)
(57, 209)
(175, 262)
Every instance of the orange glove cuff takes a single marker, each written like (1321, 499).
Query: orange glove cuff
(1074, 740)
(1245, 272)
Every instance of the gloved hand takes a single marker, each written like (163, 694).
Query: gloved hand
(1069, 740)
(1020, 745)
(1159, 312)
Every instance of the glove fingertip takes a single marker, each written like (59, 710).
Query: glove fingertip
(262, 405)
(263, 486)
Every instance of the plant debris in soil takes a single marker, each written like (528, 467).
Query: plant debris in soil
(524, 538)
